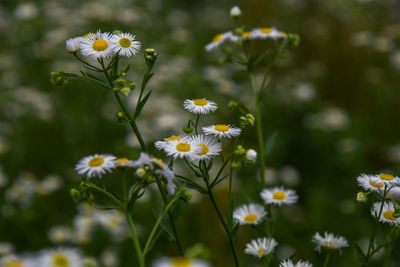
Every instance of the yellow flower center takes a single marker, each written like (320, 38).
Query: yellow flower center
(181, 262)
(204, 149)
(377, 185)
(389, 215)
(251, 218)
(217, 38)
(96, 162)
(279, 195)
(122, 160)
(200, 102)
(125, 42)
(260, 251)
(60, 261)
(173, 138)
(14, 263)
(328, 245)
(183, 147)
(386, 177)
(221, 127)
(159, 161)
(266, 30)
(100, 45)
(88, 35)
(246, 35)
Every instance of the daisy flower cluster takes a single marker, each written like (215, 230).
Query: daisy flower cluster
(55, 257)
(101, 45)
(98, 165)
(203, 146)
(386, 187)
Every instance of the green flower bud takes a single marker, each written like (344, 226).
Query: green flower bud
(121, 82)
(187, 196)
(125, 90)
(293, 39)
(116, 89)
(188, 129)
(150, 51)
(90, 262)
(116, 32)
(236, 164)
(240, 150)
(361, 197)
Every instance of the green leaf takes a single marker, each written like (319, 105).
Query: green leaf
(229, 220)
(127, 68)
(165, 226)
(235, 230)
(269, 144)
(141, 105)
(193, 185)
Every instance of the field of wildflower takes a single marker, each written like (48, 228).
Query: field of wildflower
(199, 133)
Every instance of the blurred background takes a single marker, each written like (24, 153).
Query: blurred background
(332, 113)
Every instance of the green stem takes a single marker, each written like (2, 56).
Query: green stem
(259, 129)
(135, 240)
(124, 109)
(111, 196)
(327, 258)
(196, 123)
(390, 247)
(171, 218)
(153, 232)
(227, 231)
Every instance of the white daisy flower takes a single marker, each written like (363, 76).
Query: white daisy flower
(222, 130)
(235, 12)
(200, 106)
(125, 44)
(329, 241)
(182, 149)
(14, 261)
(249, 36)
(387, 213)
(267, 33)
(72, 45)
(260, 247)
(180, 262)
(210, 147)
(143, 160)
(123, 162)
(167, 173)
(97, 46)
(220, 39)
(61, 257)
(289, 263)
(161, 144)
(388, 179)
(279, 196)
(249, 214)
(370, 183)
(95, 165)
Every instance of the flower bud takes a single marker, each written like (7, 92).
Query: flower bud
(235, 12)
(140, 172)
(120, 82)
(361, 197)
(90, 262)
(73, 45)
(293, 39)
(240, 150)
(125, 90)
(251, 156)
(236, 164)
(116, 32)
(187, 196)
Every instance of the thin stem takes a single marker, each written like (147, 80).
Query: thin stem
(86, 63)
(389, 250)
(196, 123)
(171, 218)
(259, 129)
(125, 110)
(227, 231)
(151, 236)
(327, 258)
(135, 240)
(111, 196)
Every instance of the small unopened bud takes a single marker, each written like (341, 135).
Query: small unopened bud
(116, 89)
(76, 197)
(293, 39)
(149, 57)
(140, 172)
(251, 156)
(361, 197)
(73, 45)
(132, 85)
(90, 262)
(235, 12)
(240, 150)
(116, 32)
(188, 129)
(125, 90)
(239, 31)
(187, 196)
(250, 118)
(236, 164)
(150, 51)
(120, 82)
